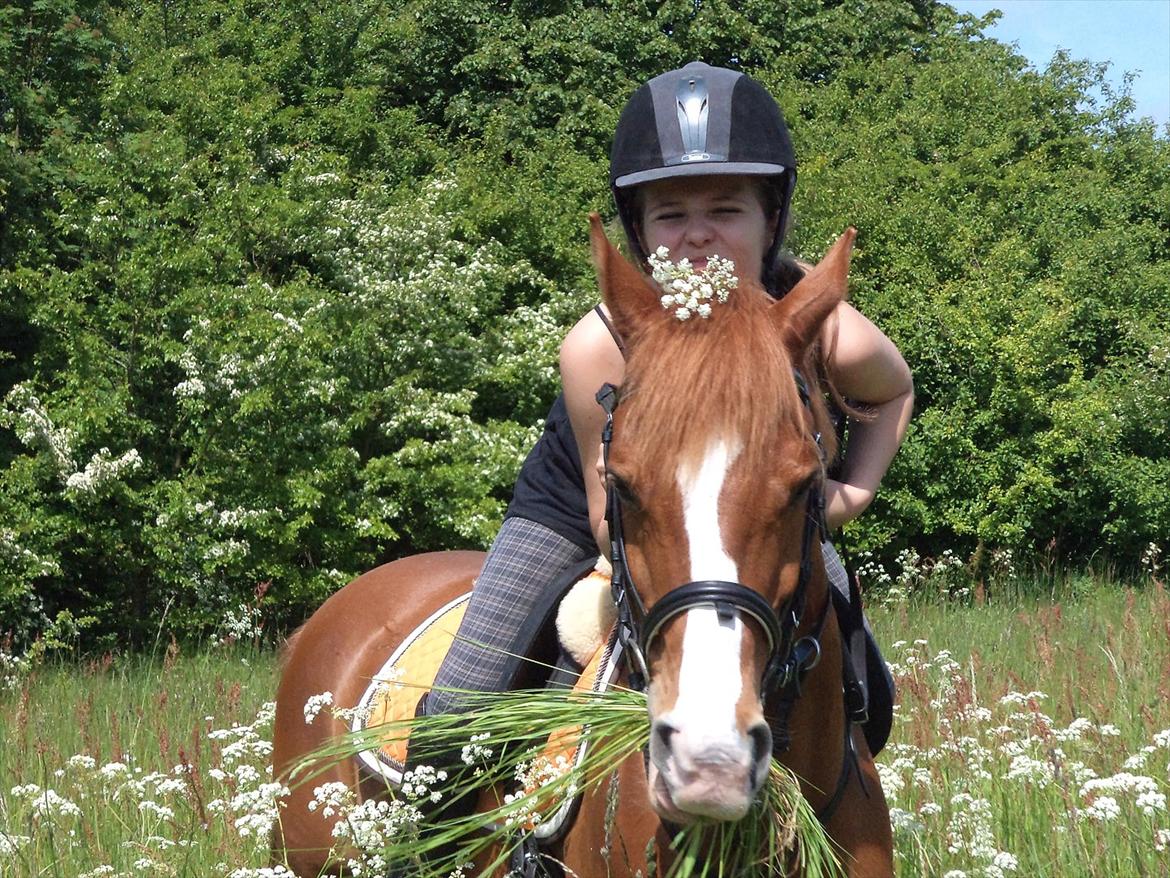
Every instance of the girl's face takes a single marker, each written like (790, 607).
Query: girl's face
(698, 217)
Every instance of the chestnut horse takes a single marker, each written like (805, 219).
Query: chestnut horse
(715, 469)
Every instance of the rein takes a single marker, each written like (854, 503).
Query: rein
(790, 659)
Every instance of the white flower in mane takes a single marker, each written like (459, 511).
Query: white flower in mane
(688, 292)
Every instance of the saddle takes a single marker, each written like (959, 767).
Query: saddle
(411, 668)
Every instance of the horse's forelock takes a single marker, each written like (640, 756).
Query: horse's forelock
(728, 377)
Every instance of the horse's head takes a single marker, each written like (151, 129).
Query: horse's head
(714, 458)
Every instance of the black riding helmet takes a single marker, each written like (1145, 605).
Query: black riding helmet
(696, 121)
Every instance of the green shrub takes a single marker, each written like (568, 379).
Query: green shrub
(282, 286)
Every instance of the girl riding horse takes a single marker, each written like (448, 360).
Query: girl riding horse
(702, 164)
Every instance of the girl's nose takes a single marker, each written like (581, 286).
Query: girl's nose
(699, 231)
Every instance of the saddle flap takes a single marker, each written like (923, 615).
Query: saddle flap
(410, 670)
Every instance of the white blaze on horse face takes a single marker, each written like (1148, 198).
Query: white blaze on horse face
(709, 676)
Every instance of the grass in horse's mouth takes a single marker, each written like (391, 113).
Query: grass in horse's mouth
(504, 741)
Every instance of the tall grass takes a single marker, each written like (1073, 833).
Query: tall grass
(1032, 738)
(503, 739)
(1032, 735)
(132, 766)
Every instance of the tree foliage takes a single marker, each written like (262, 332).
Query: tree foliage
(282, 285)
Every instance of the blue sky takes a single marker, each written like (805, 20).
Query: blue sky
(1134, 35)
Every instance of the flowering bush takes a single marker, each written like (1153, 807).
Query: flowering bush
(282, 288)
(306, 431)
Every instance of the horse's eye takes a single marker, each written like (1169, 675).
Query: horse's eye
(806, 484)
(624, 492)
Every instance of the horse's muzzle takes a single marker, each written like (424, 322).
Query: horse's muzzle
(712, 777)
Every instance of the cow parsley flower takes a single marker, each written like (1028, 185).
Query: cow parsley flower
(690, 293)
(477, 752)
(904, 821)
(47, 804)
(1151, 802)
(10, 844)
(314, 704)
(420, 783)
(1006, 862)
(1103, 809)
(160, 811)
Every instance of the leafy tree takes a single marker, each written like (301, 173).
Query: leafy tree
(283, 284)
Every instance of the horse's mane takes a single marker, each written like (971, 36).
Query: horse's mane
(731, 370)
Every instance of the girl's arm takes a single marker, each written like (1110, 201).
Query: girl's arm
(867, 368)
(589, 359)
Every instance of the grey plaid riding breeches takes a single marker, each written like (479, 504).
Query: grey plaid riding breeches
(526, 559)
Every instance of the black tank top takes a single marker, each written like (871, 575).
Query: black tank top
(550, 489)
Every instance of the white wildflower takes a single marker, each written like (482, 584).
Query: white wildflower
(1076, 730)
(1021, 699)
(1151, 802)
(81, 762)
(904, 821)
(690, 293)
(476, 752)
(10, 844)
(331, 798)
(1103, 809)
(1031, 770)
(1006, 862)
(161, 811)
(420, 783)
(47, 804)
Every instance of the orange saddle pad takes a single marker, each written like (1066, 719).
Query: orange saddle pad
(393, 694)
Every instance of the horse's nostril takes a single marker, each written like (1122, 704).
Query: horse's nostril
(761, 737)
(663, 732)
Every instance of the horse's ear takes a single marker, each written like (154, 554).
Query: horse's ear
(806, 306)
(628, 293)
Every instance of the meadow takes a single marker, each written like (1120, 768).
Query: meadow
(1032, 737)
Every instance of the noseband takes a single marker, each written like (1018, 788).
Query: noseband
(788, 659)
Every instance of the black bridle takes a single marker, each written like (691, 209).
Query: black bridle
(789, 659)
